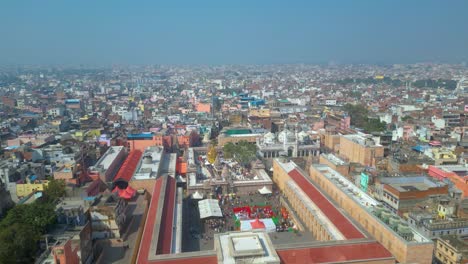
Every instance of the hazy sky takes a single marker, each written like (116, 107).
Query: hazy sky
(232, 31)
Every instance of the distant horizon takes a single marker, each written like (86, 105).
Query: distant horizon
(207, 32)
(330, 64)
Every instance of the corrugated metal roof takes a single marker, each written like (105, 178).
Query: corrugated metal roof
(129, 166)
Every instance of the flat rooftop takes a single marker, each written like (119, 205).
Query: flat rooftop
(235, 247)
(361, 140)
(108, 158)
(362, 198)
(334, 159)
(406, 184)
(149, 164)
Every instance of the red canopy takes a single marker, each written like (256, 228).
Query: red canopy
(126, 193)
(257, 224)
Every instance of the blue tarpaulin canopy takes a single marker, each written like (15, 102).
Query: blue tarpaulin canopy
(419, 148)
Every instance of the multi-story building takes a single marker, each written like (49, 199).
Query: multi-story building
(360, 149)
(143, 140)
(293, 144)
(109, 218)
(451, 249)
(401, 194)
(108, 165)
(335, 163)
(235, 135)
(406, 243)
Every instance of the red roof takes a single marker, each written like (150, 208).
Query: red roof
(149, 224)
(335, 253)
(343, 224)
(129, 166)
(126, 193)
(167, 219)
(167, 215)
(189, 260)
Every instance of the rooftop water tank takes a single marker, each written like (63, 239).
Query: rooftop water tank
(147, 160)
(394, 221)
(405, 231)
(378, 209)
(385, 215)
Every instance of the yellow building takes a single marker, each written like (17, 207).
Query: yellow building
(262, 112)
(404, 242)
(26, 189)
(444, 157)
(359, 149)
(451, 249)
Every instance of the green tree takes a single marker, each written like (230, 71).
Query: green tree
(37, 215)
(18, 243)
(359, 118)
(358, 114)
(54, 190)
(244, 152)
(375, 125)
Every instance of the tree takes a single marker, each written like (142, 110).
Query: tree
(54, 190)
(18, 243)
(244, 152)
(37, 215)
(359, 118)
(375, 125)
(212, 154)
(358, 114)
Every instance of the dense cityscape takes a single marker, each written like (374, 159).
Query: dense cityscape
(285, 163)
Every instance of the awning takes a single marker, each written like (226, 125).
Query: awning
(264, 190)
(209, 208)
(257, 224)
(126, 193)
(197, 195)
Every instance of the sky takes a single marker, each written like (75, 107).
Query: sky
(106, 32)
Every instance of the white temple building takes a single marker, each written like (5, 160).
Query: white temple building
(290, 143)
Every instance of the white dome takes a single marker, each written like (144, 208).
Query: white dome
(302, 136)
(269, 138)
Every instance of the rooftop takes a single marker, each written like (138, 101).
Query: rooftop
(336, 220)
(237, 246)
(361, 140)
(363, 199)
(128, 167)
(405, 184)
(334, 159)
(106, 160)
(149, 165)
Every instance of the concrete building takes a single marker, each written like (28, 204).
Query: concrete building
(335, 163)
(401, 194)
(432, 227)
(406, 243)
(107, 166)
(360, 149)
(451, 249)
(295, 144)
(158, 242)
(237, 134)
(251, 247)
(320, 216)
(109, 217)
(224, 177)
(143, 140)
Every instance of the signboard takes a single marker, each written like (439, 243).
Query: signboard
(364, 181)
